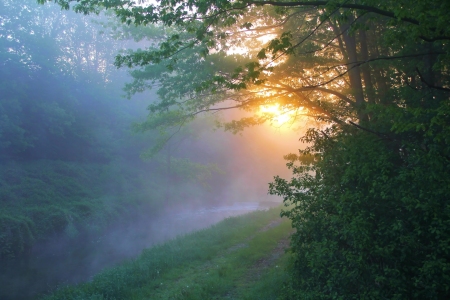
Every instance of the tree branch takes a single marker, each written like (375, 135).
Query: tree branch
(311, 105)
(359, 63)
(342, 96)
(381, 135)
(366, 8)
(344, 5)
(430, 85)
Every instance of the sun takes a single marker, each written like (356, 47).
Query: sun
(276, 113)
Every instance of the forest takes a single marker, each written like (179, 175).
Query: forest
(364, 84)
(75, 168)
(68, 155)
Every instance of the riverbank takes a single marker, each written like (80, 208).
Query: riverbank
(233, 259)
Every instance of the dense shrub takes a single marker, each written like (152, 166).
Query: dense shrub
(372, 211)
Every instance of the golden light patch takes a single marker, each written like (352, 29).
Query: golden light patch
(277, 113)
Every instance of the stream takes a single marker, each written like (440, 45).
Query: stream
(63, 261)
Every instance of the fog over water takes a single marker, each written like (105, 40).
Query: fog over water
(248, 167)
(62, 261)
(75, 194)
(252, 159)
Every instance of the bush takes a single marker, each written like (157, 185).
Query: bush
(372, 217)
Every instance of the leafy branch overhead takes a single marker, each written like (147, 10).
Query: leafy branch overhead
(318, 55)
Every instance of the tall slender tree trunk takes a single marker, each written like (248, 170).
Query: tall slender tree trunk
(365, 67)
(340, 43)
(354, 72)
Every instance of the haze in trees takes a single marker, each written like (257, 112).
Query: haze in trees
(370, 193)
(75, 173)
(369, 81)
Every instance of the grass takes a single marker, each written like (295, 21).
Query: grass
(239, 258)
(268, 285)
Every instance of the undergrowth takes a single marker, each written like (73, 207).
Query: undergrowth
(44, 198)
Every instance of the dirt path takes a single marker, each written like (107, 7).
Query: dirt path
(223, 267)
(261, 266)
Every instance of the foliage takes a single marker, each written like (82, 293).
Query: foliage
(370, 207)
(371, 221)
(302, 58)
(44, 198)
(69, 164)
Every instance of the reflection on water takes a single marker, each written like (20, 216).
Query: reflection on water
(68, 261)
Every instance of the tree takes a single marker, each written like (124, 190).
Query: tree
(369, 193)
(371, 219)
(318, 37)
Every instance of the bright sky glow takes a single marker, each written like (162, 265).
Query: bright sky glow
(276, 113)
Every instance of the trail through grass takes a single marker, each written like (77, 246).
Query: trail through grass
(239, 258)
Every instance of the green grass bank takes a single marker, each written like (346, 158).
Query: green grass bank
(239, 258)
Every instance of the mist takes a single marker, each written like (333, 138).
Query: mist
(77, 191)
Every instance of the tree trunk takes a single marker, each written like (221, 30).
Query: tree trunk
(379, 77)
(365, 67)
(341, 44)
(354, 70)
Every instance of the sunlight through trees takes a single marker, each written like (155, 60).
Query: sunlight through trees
(369, 195)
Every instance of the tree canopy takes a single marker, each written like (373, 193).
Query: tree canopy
(323, 59)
